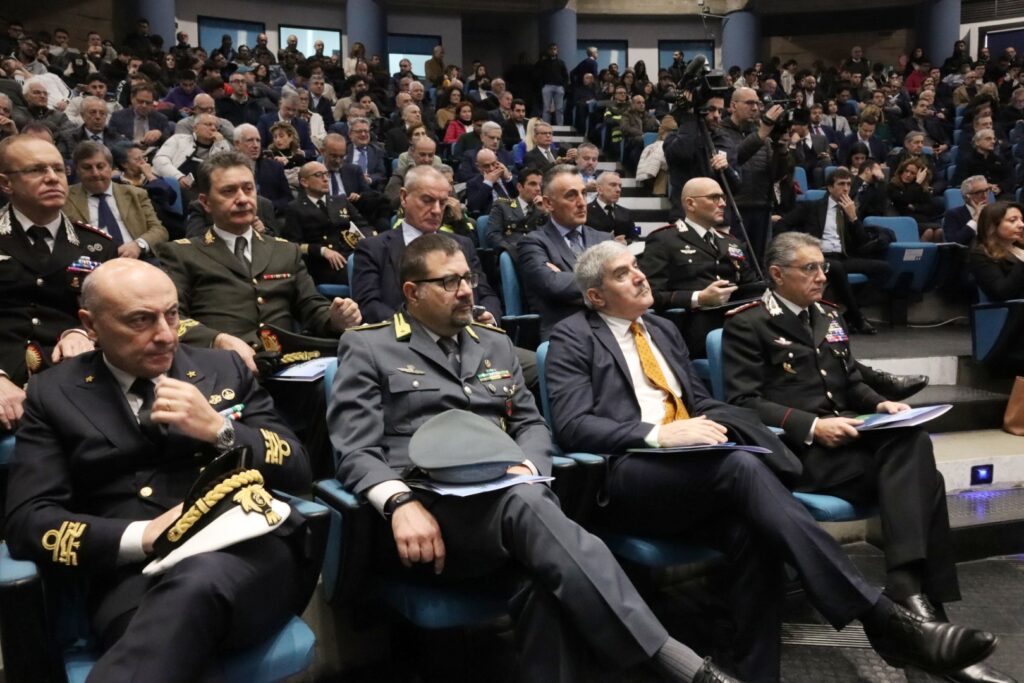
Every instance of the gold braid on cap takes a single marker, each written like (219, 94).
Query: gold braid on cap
(210, 499)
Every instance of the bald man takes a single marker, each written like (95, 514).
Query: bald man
(109, 447)
(204, 104)
(606, 214)
(493, 180)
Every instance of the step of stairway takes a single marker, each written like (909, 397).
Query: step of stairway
(563, 129)
(609, 166)
(973, 409)
(646, 203)
(956, 453)
(566, 139)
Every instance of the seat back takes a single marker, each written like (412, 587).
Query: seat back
(510, 288)
(953, 198)
(650, 139)
(545, 402)
(482, 223)
(800, 176)
(904, 226)
(913, 262)
(713, 343)
(810, 195)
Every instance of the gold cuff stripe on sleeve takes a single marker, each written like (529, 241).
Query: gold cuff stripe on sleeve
(277, 448)
(64, 542)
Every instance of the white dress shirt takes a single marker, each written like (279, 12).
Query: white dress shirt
(830, 242)
(230, 237)
(52, 227)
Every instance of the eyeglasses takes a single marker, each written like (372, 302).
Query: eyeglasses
(811, 268)
(34, 172)
(451, 282)
(714, 197)
(975, 193)
(751, 103)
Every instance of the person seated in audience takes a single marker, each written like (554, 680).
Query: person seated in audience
(182, 95)
(179, 158)
(130, 162)
(960, 224)
(866, 135)
(922, 120)
(983, 159)
(364, 153)
(634, 123)
(460, 124)
(375, 283)
(38, 109)
(545, 152)
(997, 258)
(214, 273)
(606, 214)
(490, 139)
(204, 104)
(94, 86)
(869, 190)
(287, 112)
(858, 154)
(547, 255)
(812, 389)
(317, 125)
(492, 181)
(123, 211)
(476, 536)
(513, 130)
(240, 107)
(271, 181)
(326, 228)
(512, 218)
(284, 149)
(139, 122)
(620, 379)
(398, 137)
(94, 127)
(447, 102)
(834, 220)
(38, 296)
(96, 429)
(348, 179)
(910, 192)
(423, 152)
(652, 169)
(807, 150)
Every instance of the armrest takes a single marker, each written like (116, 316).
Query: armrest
(29, 648)
(314, 543)
(349, 541)
(588, 482)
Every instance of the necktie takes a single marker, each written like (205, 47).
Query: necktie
(321, 205)
(841, 228)
(548, 156)
(361, 158)
(140, 129)
(817, 130)
(805, 320)
(610, 208)
(575, 241)
(107, 220)
(38, 235)
(451, 352)
(674, 407)
(240, 253)
(336, 185)
(709, 237)
(144, 389)
(96, 137)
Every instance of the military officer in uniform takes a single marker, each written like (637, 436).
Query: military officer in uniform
(788, 357)
(510, 219)
(326, 227)
(431, 357)
(697, 266)
(44, 259)
(232, 279)
(109, 447)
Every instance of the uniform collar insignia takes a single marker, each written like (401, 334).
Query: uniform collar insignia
(820, 308)
(403, 330)
(191, 374)
(681, 225)
(771, 304)
(472, 333)
(6, 227)
(208, 238)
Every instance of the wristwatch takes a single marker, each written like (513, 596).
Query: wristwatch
(396, 501)
(226, 435)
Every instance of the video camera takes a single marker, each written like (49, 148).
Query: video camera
(700, 85)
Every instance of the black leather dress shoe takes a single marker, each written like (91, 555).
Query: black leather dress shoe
(937, 647)
(709, 673)
(897, 387)
(979, 673)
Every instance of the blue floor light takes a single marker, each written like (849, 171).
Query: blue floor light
(982, 474)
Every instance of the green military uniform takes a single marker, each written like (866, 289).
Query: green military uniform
(509, 220)
(216, 294)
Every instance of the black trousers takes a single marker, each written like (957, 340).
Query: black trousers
(734, 503)
(576, 595)
(897, 470)
(877, 272)
(172, 627)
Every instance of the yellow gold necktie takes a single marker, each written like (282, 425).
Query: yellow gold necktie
(674, 408)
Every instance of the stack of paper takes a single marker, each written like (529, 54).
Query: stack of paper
(908, 418)
(309, 371)
(463, 490)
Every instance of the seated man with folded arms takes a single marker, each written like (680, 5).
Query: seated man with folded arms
(430, 357)
(621, 379)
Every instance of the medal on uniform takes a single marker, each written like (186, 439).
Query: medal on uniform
(33, 357)
(836, 334)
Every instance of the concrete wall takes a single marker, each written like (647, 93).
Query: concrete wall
(77, 17)
(643, 35)
(322, 15)
(449, 27)
(833, 48)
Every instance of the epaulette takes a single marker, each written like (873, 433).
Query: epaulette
(91, 228)
(505, 200)
(183, 240)
(368, 326)
(664, 227)
(828, 303)
(752, 304)
(493, 328)
(280, 239)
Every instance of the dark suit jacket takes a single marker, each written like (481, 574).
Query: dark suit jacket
(301, 126)
(623, 224)
(374, 164)
(955, 228)
(272, 183)
(325, 109)
(593, 401)
(809, 217)
(82, 457)
(534, 159)
(480, 196)
(932, 128)
(467, 164)
(553, 295)
(877, 147)
(375, 282)
(123, 123)
(1000, 279)
(238, 113)
(510, 134)
(352, 178)
(397, 140)
(70, 139)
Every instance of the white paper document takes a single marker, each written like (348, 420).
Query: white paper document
(463, 490)
(908, 418)
(308, 371)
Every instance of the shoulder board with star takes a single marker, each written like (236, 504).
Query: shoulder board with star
(739, 309)
(493, 328)
(92, 228)
(183, 240)
(368, 326)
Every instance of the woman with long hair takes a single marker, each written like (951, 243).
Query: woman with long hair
(461, 124)
(447, 101)
(997, 259)
(911, 195)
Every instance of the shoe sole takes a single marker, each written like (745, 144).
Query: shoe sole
(902, 663)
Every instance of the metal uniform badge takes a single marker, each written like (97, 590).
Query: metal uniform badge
(228, 394)
(33, 357)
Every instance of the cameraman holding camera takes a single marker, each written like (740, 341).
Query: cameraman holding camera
(686, 150)
(752, 150)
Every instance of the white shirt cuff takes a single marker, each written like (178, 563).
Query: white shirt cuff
(130, 550)
(810, 435)
(652, 437)
(973, 225)
(695, 299)
(379, 494)
(530, 466)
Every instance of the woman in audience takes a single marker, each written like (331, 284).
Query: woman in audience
(447, 100)
(170, 67)
(833, 118)
(983, 159)
(461, 124)
(130, 159)
(856, 155)
(652, 170)
(911, 195)
(284, 148)
(357, 53)
(628, 81)
(262, 74)
(640, 71)
(997, 258)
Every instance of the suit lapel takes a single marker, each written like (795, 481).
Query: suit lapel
(604, 336)
(99, 397)
(262, 250)
(691, 238)
(789, 323)
(568, 258)
(77, 199)
(396, 247)
(819, 324)
(127, 207)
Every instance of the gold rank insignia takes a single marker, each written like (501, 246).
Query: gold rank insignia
(64, 542)
(184, 325)
(89, 379)
(277, 448)
(215, 399)
(487, 363)
(33, 357)
(270, 341)
(351, 238)
(191, 374)
(228, 394)
(403, 330)
(208, 238)
(183, 240)
(254, 498)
